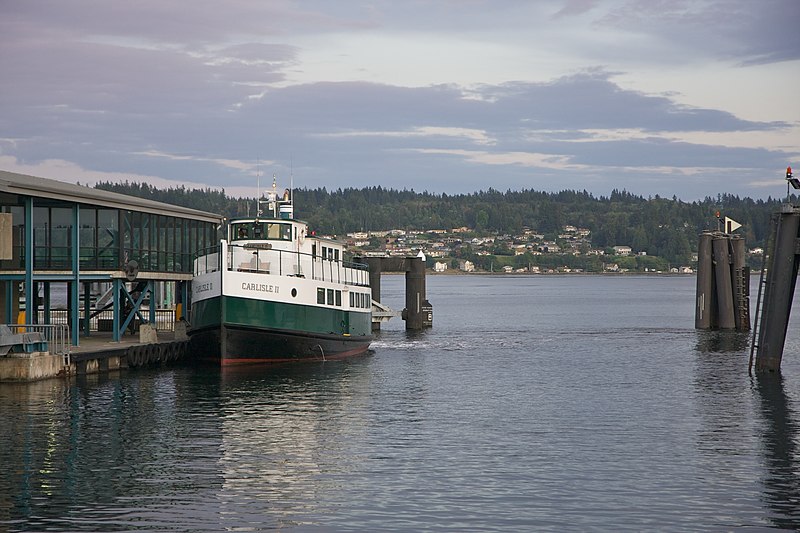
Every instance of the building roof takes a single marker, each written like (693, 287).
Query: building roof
(13, 183)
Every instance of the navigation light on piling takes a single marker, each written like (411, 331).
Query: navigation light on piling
(794, 182)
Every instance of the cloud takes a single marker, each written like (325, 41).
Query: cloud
(737, 30)
(340, 93)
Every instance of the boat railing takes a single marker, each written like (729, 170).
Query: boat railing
(206, 260)
(264, 259)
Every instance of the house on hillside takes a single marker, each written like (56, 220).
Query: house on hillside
(466, 266)
(622, 250)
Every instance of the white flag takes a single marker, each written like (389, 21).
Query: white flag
(731, 225)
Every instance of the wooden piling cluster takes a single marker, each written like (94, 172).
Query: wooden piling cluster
(778, 280)
(723, 283)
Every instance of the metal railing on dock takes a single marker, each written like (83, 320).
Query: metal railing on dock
(103, 320)
(57, 336)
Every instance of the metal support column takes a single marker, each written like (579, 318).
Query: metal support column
(75, 294)
(10, 290)
(151, 286)
(184, 299)
(87, 308)
(46, 297)
(115, 323)
(28, 258)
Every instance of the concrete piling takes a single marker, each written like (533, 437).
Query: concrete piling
(741, 283)
(418, 313)
(722, 276)
(778, 285)
(705, 314)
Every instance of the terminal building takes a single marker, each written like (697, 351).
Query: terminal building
(93, 259)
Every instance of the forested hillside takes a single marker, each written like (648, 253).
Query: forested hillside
(662, 227)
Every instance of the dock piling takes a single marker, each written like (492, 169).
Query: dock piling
(781, 268)
(418, 313)
(723, 293)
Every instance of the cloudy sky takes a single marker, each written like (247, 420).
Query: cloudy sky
(670, 97)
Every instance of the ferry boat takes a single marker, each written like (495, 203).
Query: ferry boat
(270, 292)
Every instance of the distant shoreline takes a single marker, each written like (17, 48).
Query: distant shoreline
(483, 273)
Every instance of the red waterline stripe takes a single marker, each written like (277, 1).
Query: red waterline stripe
(248, 361)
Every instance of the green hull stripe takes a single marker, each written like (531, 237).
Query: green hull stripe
(266, 314)
(205, 313)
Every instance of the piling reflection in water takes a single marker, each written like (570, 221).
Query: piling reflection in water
(780, 434)
(727, 341)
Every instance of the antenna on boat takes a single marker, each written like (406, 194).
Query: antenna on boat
(258, 188)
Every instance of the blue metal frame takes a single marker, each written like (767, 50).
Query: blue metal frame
(74, 304)
(28, 258)
(46, 306)
(135, 311)
(87, 309)
(115, 329)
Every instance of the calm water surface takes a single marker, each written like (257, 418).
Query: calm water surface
(535, 403)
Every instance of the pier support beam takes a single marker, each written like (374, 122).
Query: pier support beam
(375, 265)
(418, 313)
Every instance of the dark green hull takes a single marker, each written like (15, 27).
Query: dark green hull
(258, 331)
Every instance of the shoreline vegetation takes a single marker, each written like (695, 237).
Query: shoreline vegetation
(571, 229)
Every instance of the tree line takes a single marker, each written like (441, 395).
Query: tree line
(663, 227)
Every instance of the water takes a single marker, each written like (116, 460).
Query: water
(535, 403)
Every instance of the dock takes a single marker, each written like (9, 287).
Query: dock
(98, 353)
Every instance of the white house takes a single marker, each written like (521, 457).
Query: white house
(466, 266)
(622, 250)
(439, 266)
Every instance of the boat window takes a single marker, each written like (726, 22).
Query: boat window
(320, 295)
(330, 296)
(261, 230)
(338, 298)
(336, 254)
(279, 231)
(240, 232)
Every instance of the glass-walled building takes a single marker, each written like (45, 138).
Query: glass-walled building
(77, 234)
(109, 238)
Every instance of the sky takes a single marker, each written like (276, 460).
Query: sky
(686, 98)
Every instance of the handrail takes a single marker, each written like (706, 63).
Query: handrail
(59, 340)
(255, 259)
